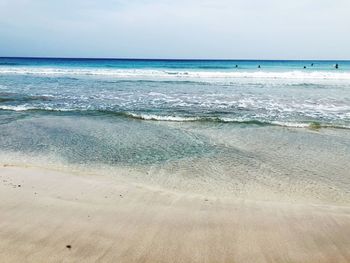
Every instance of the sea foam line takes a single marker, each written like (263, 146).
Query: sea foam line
(149, 74)
(174, 118)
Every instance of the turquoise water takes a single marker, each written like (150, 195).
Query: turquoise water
(184, 124)
(277, 93)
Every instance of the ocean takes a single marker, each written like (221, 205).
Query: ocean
(238, 127)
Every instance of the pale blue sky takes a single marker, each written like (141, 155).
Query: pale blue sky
(252, 29)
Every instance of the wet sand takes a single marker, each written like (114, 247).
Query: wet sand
(51, 216)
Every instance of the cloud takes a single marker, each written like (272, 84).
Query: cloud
(193, 28)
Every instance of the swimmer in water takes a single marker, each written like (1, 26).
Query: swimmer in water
(336, 66)
(259, 66)
(304, 66)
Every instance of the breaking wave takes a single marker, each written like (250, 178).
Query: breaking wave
(173, 118)
(180, 74)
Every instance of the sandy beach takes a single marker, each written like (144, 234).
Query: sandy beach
(174, 131)
(51, 216)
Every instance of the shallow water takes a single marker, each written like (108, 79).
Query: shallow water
(280, 132)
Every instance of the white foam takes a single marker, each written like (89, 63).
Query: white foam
(173, 118)
(291, 124)
(191, 75)
(16, 108)
(28, 108)
(152, 117)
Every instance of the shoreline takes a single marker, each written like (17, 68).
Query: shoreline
(56, 216)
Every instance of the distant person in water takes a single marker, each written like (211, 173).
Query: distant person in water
(304, 66)
(312, 64)
(336, 66)
(236, 66)
(259, 66)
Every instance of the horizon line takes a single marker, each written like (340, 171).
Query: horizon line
(163, 59)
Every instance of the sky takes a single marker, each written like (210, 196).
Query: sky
(212, 29)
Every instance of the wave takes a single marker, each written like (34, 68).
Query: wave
(311, 125)
(164, 74)
(25, 108)
(181, 119)
(152, 117)
(9, 64)
(13, 97)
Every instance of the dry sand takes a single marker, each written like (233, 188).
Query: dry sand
(50, 216)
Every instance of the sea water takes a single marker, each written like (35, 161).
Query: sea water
(227, 126)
